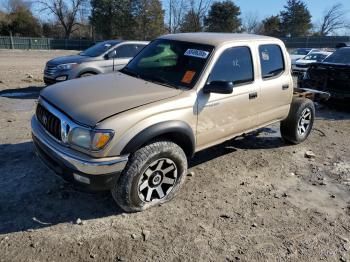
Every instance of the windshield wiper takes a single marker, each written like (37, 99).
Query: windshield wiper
(158, 79)
(129, 72)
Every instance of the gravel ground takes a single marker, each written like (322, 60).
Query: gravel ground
(250, 199)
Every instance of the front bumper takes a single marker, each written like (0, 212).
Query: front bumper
(54, 75)
(92, 174)
(49, 80)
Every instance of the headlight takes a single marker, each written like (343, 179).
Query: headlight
(67, 66)
(90, 139)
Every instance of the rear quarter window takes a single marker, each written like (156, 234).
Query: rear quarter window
(271, 61)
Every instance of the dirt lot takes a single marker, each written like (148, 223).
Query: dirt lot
(250, 199)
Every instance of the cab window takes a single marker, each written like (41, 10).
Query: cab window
(271, 61)
(127, 51)
(234, 65)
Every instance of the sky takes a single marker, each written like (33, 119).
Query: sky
(266, 8)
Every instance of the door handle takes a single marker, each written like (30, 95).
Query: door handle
(253, 95)
(285, 87)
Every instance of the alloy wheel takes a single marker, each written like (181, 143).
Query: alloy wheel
(304, 122)
(158, 180)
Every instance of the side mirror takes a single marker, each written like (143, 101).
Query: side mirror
(219, 87)
(110, 55)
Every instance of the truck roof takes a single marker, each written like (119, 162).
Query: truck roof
(215, 39)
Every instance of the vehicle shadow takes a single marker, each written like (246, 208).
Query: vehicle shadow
(333, 111)
(32, 197)
(30, 92)
(264, 138)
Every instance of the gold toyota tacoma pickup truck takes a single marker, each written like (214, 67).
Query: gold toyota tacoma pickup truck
(132, 132)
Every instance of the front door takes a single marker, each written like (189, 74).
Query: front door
(222, 116)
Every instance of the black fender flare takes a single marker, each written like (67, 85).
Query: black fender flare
(177, 131)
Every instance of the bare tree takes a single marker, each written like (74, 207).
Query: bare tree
(251, 23)
(12, 5)
(333, 20)
(200, 7)
(197, 12)
(176, 12)
(66, 12)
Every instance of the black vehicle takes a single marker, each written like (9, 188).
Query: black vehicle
(341, 45)
(332, 75)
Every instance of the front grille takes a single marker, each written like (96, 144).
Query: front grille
(49, 121)
(302, 66)
(50, 70)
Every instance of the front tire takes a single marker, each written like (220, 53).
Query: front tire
(298, 125)
(152, 176)
(87, 74)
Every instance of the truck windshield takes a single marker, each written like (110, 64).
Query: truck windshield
(99, 48)
(301, 51)
(341, 56)
(315, 57)
(172, 63)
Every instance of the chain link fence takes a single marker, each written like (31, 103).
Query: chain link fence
(315, 42)
(7, 42)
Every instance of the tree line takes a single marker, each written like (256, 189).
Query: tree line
(147, 19)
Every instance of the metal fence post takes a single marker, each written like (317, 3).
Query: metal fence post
(11, 41)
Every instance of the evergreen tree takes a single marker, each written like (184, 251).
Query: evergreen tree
(271, 26)
(113, 18)
(223, 17)
(127, 19)
(149, 18)
(20, 21)
(191, 22)
(295, 19)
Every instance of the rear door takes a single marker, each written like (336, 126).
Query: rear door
(276, 83)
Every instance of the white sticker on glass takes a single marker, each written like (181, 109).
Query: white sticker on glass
(265, 56)
(197, 53)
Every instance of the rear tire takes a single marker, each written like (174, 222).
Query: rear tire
(153, 175)
(298, 125)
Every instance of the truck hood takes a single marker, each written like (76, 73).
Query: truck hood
(304, 62)
(91, 99)
(70, 59)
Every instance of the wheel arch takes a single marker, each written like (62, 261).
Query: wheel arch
(88, 70)
(178, 132)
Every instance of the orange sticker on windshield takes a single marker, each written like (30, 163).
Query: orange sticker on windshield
(187, 79)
